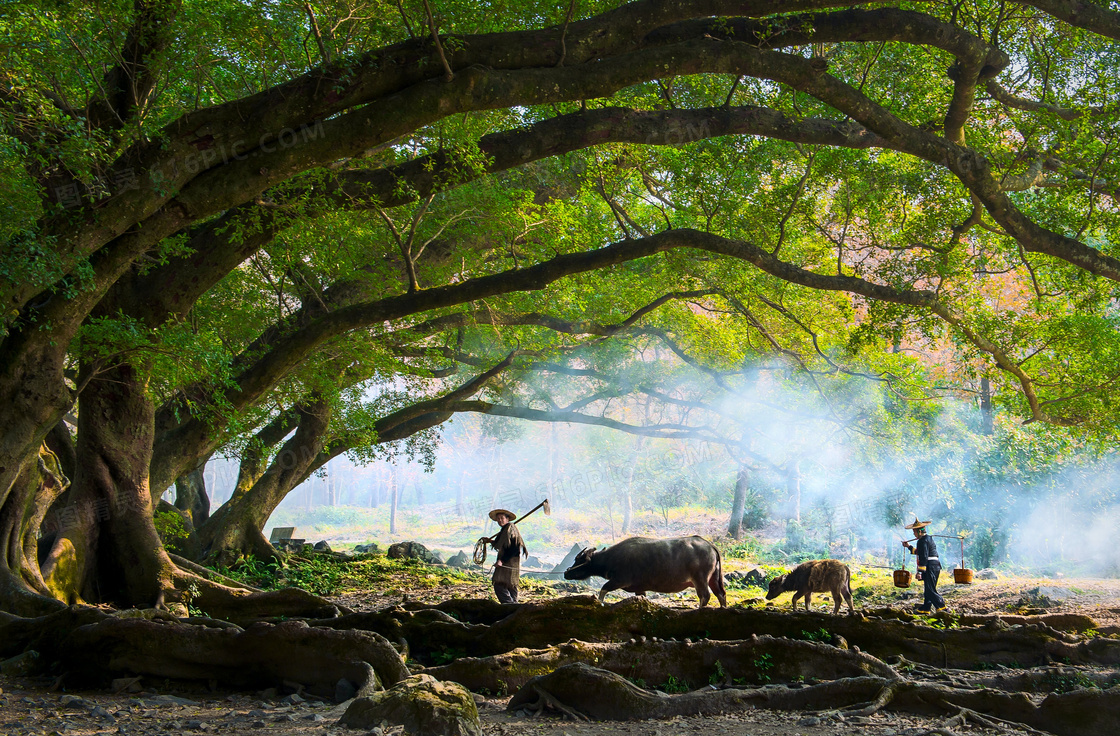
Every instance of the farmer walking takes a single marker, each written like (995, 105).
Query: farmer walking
(929, 566)
(510, 548)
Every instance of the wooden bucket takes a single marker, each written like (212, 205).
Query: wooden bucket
(962, 576)
(902, 578)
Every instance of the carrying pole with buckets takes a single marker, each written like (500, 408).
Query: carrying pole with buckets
(483, 542)
(961, 575)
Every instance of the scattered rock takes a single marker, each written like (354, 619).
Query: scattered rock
(292, 699)
(533, 562)
(412, 550)
(322, 547)
(987, 574)
(421, 704)
(367, 549)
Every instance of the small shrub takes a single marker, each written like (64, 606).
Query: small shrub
(673, 685)
(763, 664)
(173, 531)
(821, 634)
(718, 676)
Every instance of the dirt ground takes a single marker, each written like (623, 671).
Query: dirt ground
(30, 707)
(27, 708)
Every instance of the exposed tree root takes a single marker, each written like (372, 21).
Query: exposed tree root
(245, 606)
(89, 645)
(204, 572)
(603, 695)
(758, 659)
(539, 625)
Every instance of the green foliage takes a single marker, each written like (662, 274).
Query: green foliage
(821, 635)
(718, 675)
(172, 531)
(673, 685)
(763, 664)
(1067, 681)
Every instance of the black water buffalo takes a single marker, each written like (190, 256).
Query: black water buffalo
(815, 576)
(638, 564)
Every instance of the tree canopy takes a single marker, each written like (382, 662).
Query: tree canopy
(306, 228)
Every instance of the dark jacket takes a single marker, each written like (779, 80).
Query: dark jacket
(925, 549)
(510, 547)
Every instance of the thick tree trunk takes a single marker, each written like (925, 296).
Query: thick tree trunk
(108, 526)
(23, 589)
(33, 399)
(739, 502)
(190, 495)
(235, 529)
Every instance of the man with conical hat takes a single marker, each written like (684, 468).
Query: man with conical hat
(510, 548)
(929, 566)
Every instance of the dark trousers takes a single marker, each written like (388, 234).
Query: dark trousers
(933, 599)
(505, 593)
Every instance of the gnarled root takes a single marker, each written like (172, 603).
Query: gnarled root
(758, 659)
(603, 695)
(89, 645)
(545, 701)
(260, 656)
(245, 606)
(539, 625)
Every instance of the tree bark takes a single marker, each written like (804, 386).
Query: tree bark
(235, 529)
(117, 554)
(190, 494)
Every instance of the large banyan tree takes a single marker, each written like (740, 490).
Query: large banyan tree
(226, 222)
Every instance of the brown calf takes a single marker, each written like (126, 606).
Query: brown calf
(815, 576)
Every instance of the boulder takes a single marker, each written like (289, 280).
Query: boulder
(412, 550)
(322, 547)
(422, 705)
(533, 562)
(987, 574)
(756, 576)
(366, 549)
(570, 557)
(1044, 596)
(459, 559)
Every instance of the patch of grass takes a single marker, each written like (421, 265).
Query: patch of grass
(821, 634)
(326, 574)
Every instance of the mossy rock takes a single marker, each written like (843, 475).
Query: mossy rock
(420, 703)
